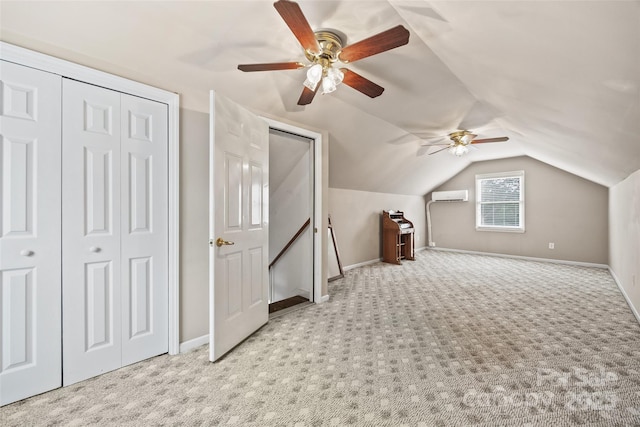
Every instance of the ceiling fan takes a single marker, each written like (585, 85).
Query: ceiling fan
(324, 49)
(460, 142)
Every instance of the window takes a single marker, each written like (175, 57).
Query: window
(500, 201)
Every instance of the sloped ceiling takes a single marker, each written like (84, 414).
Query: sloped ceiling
(560, 78)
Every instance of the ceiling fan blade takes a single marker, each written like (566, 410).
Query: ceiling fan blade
(274, 66)
(439, 140)
(361, 84)
(386, 40)
(482, 141)
(307, 95)
(298, 24)
(424, 149)
(442, 149)
(430, 149)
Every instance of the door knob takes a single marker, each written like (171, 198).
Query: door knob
(94, 249)
(26, 252)
(221, 242)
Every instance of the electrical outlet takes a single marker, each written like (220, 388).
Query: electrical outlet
(552, 245)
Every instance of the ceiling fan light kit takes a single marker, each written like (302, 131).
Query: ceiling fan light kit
(321, 68)
(459, 150)
(331, 80)
(323, 48)
(314, 75)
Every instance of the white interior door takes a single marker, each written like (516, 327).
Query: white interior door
(91, 224)
(30, 232)
(239, 195)
(144, 245)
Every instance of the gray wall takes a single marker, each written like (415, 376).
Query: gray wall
(624, 230)
(194, 224)
(289, 207)
(355, 216)
(559, 207)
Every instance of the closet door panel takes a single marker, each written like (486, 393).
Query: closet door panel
(144, 214)
(30, 289)
(91, 223)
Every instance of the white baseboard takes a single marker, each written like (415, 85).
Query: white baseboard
(194, 343)
(526, 258)
(624, 294)
(324, 298)
(304, 293)
(373, 261)
(361, 264)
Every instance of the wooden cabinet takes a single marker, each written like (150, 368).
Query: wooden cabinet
(397, 237)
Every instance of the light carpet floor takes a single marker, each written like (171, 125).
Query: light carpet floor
(448, 340)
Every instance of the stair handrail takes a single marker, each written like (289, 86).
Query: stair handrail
(291, 241)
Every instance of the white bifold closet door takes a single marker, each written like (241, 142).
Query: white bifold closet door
(115, 244)
(30, 296)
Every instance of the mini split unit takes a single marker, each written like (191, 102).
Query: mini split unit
(450, 196)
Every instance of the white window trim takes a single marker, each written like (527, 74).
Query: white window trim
(501, 229)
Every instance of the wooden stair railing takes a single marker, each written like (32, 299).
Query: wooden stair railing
(293, 239)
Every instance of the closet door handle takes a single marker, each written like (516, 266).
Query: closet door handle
(26, 252)
(94, 249)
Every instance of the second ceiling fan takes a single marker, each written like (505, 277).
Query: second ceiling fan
(324, 49)
(460, 141)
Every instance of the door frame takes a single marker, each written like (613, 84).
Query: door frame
(318, 221)
(43, 62)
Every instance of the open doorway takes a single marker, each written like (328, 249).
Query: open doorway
(239, 199)
(291, 211)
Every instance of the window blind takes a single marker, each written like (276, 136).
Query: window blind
(500, 201)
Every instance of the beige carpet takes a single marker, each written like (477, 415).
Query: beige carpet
(450, 339)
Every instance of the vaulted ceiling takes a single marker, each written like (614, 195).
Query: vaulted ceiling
(560, 78)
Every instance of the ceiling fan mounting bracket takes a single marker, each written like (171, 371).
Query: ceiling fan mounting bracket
(331, 43)
(461, 137)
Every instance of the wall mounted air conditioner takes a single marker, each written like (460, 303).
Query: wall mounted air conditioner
(450, 196)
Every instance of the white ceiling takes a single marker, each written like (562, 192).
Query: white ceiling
(560, 78)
